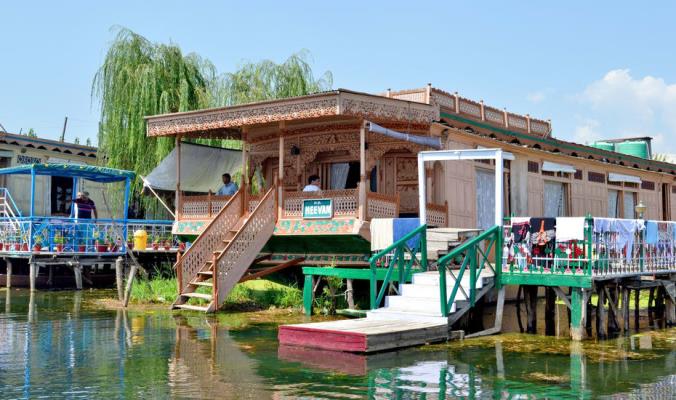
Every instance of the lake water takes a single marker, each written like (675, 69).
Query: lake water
(62, 345)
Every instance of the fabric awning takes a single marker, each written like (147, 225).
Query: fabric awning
(555, 167)
(613, 177)
(433, 142)
(201, 168)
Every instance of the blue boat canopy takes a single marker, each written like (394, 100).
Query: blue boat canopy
(89, 172)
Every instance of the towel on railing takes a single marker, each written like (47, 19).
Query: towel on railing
(651, 232)
(626, 228)
(520, 229)
(382, 233)
(402, 227)
(542, 230)
(602, 225)
(569, 228)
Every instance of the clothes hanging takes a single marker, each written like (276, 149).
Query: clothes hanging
(543, 230)
(603, 225)
(626, 228)
(651, 232)
(520, 229)
(569, 228)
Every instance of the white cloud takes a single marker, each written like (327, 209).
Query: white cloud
(620, 105)
(536, 97)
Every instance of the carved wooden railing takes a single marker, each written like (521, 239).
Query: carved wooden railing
(437, 214)
(254, 199)
(211, 238)
(345, 202)
(380, 205)
(201, 206)
(244, 247)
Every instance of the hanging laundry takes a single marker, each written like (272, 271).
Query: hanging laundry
(542, 230)
(569, 228)
(603, 225)
(520, 229)
(651, 232)
(626, 228)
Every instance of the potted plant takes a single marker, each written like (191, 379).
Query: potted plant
(58, 243)
(167, 243)
(101, 247)
(82, 248)
(156, 243)
(181, 246)
(37, 246)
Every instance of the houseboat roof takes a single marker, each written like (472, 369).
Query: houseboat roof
(89, 172)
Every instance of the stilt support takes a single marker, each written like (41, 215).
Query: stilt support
(130, 283)
(77, 270)
(33, 274)
(8, 262)
(350, 294)
(119, 276)
(576, 310)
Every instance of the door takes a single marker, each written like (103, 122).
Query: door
(485, 198)
(62, 194)
(399, 175)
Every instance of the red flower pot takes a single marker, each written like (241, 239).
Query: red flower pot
(82, 248)
(1, 246)
(130, 245)
(59, 248)
(37, 247)
(156, 246)
(24, 247)
(181, 246)
(17, 247)
(101, 248)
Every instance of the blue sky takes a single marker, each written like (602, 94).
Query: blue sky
(597, 70)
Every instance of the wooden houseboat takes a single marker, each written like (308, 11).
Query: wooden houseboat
(368, 174)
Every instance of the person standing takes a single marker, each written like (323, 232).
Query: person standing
(229, 187)
(84, 206)
(313, 184)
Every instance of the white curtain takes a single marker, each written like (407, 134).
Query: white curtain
(485, 198)
(613, 204)
(628, 206)
(555, 200)
(339, 173)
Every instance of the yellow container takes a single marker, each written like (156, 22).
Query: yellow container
(140, 239)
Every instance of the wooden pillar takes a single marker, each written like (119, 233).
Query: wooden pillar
(651, 297)
(625, 309)
(119, 277)
(77, 270)
(429, 173)
(531, 298)
(613, 317)
(130, 283)
(178, 176)
(308, 289)
(32, 274)
(576, 310)
(8, 262)
(601, 328)
(280, 177)
(637, 311)
(550, 311)
(245, 173)
(350, 294)
(670, 312)
(362, 172)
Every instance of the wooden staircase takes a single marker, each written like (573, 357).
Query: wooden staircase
(222, 254)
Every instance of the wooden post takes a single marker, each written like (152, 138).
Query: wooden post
(209, 203)
(8, 262)
(77, 270)
(613, 317)
(651, 297)
(530, 294)
(178, 177)
(670, 312)
(119, 273)
(625, 309)
(483, 110)
(601, 328)
(362, 172)
(308, 287)
(280, 177)
(130, 283)
(550, 311)
(350, 295)
(637, 319)
(576, 309)
(32, 274)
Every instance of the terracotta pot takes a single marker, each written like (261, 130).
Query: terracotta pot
(167, 246)
(59, 248)
(82, 248)
(1, 246)
(37, 247)
(24, 247)
(156, 246)
(17, 247)
(101, 248)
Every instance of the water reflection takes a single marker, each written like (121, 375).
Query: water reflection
(56, 344)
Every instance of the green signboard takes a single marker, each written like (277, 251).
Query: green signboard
(318, 209)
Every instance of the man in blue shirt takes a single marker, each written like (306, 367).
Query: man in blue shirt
(229, 188)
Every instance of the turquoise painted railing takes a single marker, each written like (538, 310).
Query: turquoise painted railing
(402, 257)
(475, 254)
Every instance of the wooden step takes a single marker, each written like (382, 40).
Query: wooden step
(192, 308)
(205, 273)
(205, 296)
(201, 283)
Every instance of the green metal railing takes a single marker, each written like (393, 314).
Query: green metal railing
(402, 257)
(475, 255)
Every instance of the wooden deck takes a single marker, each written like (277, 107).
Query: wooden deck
(362, 335)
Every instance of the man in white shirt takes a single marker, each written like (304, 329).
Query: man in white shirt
(229, 188)
(313, 184)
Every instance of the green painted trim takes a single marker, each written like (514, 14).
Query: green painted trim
(307, 295)
(539, 279)
(562, 144)
(352, 273)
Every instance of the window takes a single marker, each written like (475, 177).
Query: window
(613, 203)
(628, 203)
(485, 198)
(344, 175)
(533, 167)
(621, 204)
(556, 204)
(596, 177)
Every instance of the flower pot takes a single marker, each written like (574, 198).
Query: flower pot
(59, 248)
(130, 245)
(82, 248)
(156, 246)
(37, 247)
(167, 246)
(101, 248)
(112, 248)
(181, 247)
(24, 247)
(17, 247)
(1, 246)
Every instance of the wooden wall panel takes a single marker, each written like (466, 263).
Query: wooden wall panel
(535, 195)
(460, 190)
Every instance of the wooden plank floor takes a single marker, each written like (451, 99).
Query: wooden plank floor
(362, 335)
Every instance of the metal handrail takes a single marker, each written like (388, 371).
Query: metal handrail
(400, 261)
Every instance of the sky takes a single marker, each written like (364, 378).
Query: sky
(596, 69)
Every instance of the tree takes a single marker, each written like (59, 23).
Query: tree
(140, 78)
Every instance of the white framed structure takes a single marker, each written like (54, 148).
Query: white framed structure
(462, 155)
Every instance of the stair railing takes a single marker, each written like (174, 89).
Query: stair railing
(209, 240)
(8, 207)
(401, 256)
(475, 254)
(244, 247)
